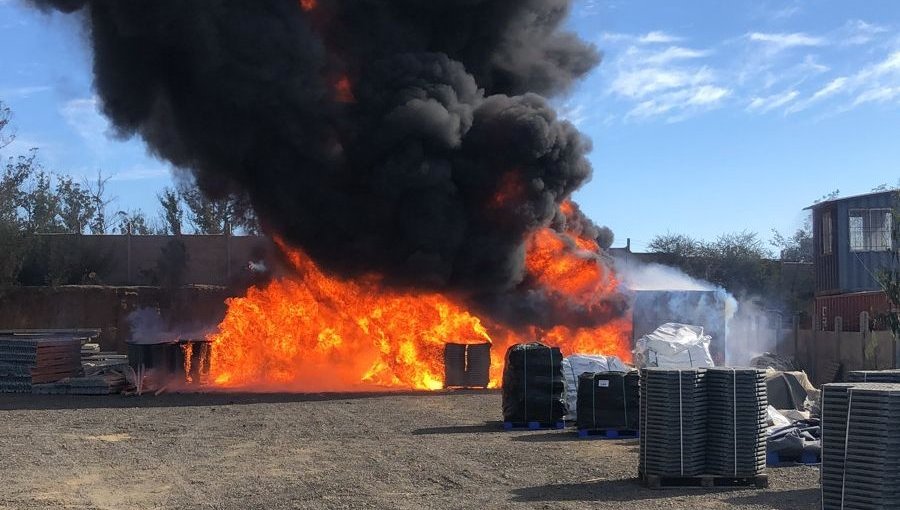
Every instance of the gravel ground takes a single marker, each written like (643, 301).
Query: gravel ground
(227, 451)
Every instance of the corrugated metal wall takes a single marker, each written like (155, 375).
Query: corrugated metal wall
(857, 270)
(846, 271)
(848, 307)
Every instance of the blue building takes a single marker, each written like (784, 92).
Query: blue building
(853, 243)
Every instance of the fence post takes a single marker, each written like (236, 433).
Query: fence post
(128, 256)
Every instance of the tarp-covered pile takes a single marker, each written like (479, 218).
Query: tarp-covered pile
(674, 345)
(533, 388)
(575, 365)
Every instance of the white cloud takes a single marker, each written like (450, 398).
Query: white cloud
(777, 42)
(654, 37)
(857, 32)
(878, 95)
(673, 53)
(769, 103)
(23, 92)
(639, 83)
(140, 173)
(681, 102)
(84, 117)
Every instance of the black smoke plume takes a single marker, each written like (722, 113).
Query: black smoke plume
(407, 137)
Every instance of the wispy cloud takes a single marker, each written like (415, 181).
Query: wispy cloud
(659, 78)
(23, 92)
(140, 173)
(84, 117)
(654, 37)
(769, 103)
(873, 83)
(857, 32)
(776, 42)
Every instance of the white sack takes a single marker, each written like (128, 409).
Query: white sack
(577, 364)
(674, 345)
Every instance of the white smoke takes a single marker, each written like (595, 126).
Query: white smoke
(747, 330)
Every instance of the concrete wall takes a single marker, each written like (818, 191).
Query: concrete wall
(817, 352)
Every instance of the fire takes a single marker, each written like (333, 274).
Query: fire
(319, 332)
(343, 90)
(308, 5)
(316, 332)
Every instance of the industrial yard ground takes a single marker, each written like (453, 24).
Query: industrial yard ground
(225, 451)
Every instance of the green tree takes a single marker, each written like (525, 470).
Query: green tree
(172, 214)
(890, 278)
(76, 205)
(133, 222)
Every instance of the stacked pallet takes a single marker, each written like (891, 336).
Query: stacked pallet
(673, 423)
(736, 422)
(703, 428)
(107, 383)
(874, 376)
(29, 360)
(860, 446)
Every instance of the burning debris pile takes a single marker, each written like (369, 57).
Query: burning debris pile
(404, 155)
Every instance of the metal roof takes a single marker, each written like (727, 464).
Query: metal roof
(841, 199)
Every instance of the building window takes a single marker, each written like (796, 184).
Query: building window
(870, 229)
(827, 237)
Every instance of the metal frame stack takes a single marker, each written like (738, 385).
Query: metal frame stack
(860, 446)
(874, 376)
(28, 360)
(736, 422)
(673, 422)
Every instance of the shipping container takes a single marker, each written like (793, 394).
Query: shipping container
(849, 307)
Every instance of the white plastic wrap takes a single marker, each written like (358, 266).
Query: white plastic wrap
(577, 364)
(674, 345)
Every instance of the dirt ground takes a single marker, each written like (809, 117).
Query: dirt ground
(225, 451)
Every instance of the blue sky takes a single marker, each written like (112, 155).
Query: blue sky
(706, 116)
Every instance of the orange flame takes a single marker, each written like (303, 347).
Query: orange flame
(308, 5)
(315, 332)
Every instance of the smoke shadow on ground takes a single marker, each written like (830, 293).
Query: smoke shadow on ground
(488, 426)
(12, 402)
(599, 490)
(786, 500)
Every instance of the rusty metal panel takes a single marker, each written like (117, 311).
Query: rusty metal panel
(849, 307)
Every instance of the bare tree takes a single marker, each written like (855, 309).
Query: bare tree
(97, 190)
(6, 137)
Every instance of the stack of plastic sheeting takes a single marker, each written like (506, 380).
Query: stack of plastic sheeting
(874, 376)
(609, 400)
(576, 364)
(28, 360)
(861, 446)
(673, 422)
(533, 385)
(736, 421)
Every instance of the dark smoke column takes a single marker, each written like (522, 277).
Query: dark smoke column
(406, 137)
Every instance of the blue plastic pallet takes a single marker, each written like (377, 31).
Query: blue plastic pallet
(774, 459)
(608, 434)
(533, 425)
